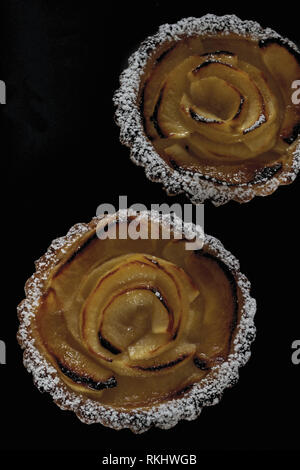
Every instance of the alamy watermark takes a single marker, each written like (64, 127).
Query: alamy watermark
(2, 92)
(2, 352)
(150, 459)
(296, 94)
(163, 221)
(296, 353)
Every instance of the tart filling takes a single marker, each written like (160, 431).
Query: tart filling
(135, 333)
(210, 101)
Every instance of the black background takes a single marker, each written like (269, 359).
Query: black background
(61, 158)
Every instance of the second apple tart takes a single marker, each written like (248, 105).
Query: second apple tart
(135, 332)
(206, 107)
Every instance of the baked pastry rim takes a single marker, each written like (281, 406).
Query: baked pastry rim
(165, 415)
(132, 134)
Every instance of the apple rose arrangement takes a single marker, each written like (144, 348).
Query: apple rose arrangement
(215, 105)
(212, 97)
(132, 326)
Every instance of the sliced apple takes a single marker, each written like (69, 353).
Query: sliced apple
(72, 361)
(235, 151)
(240, 80)
(215, 97)
(162, 364)
(261, 142)
(187, 285)
(180, 157)
(223, 56)
(210, 125)
(130, 315)
(284, 66)
(168, 60)
(153, 389)
(162, 317)
(262, 135)
(195, 318)
(169, 117)
(136, 273)
(68, 273)
(81, 291)
(148, 346)
(219, 304)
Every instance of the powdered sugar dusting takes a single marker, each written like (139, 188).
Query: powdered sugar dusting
(260, 120)
(166, 415)
(142, 151)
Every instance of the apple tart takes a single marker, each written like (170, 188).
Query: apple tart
(134, 333)
(206, 107)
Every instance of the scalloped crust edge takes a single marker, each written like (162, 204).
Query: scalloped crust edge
(142, 152)
(165, 415)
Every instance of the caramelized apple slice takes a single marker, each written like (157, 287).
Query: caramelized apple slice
(68, 275)
(130, 315)
(138, 272)
(167, 113)
(240, 80)
(90, 279)
(200, 144)
(148, 347)
(179, 157)
(186, 283)
(175, 54)
(213, 313)
(88, 282)
(260, 142)
(169, 117)
(217, 97)
(196, 317)
(67, 354)
(210, 125)
(160, 314)
(162, 364)
(222, 56)
(268, 122)
(220, 302)
(284, 66)
(152, 388)
(187, 291)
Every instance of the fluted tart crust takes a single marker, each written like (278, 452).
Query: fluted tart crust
(135, 333)
(206, 107)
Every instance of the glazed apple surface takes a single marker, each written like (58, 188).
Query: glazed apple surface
(135, 322)
(221, 106)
